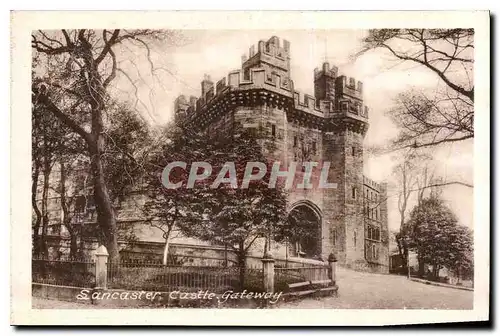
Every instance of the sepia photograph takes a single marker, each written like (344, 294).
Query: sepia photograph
(264, 168)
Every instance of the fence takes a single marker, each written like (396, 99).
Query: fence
(66, 272)
(153, 276)
(157, 277)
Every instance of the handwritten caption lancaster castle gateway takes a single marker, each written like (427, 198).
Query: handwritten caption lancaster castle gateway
(87, 294)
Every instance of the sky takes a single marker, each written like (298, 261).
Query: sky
(182, 62)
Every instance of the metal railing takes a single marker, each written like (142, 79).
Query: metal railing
(66, 272)
(157, 277)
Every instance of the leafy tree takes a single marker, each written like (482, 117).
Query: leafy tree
(51, 141)
(448, 114)
(225, 215)
(437, 238)
(73, 83)
(128, 140)
(165, 207)
(237, 217)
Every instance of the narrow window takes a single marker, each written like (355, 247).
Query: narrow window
(345, 106)
(295, 141)
(334, 236)
(355, 238)
(353, 192)
(353, 151)
(314, 147)
(273, 130)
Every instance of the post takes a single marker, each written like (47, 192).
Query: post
(408, 263)
(268, 270)
(101, 268)
(332, 262)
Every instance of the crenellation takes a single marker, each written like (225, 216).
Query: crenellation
(347, 87)
(306, 102)
(262, 78)
(251, 51)
(192, 101)
(206, 84)
(210, 94)
(372, 184)
(333, 121)
(326, 70)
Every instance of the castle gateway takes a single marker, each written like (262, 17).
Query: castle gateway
(350, 220)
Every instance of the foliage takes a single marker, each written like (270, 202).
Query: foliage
(128, 142)
(73, 82)
(435, 235)
(228, 216)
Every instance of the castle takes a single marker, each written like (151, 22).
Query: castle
(351, 220)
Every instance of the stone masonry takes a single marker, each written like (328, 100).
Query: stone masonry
(329, 126)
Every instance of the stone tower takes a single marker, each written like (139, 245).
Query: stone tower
(350, 220)
(343, 136)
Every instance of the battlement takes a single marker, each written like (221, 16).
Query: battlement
(349, 86)
(267, 68)
(380, 187)
(325, 70)
(307, 103)
(271, 47)
(260, 78)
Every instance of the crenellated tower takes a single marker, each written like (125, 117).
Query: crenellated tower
(344, 131)
(329, 126)
(271, 56)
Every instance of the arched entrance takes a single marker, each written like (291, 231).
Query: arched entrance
(305, 234)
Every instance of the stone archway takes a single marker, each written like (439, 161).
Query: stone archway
(306, 219)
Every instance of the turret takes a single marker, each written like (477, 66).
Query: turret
(324, 82)
(206, 85)
(181, 105)
(271, 56)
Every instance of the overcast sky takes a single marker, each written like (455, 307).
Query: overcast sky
(215, 53)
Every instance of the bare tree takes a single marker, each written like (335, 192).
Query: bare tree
(80, 67)
(412, 175)
(448, 114)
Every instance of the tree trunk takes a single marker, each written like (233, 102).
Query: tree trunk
(402, 253)
(459, 276)
(435, 272)
(45, 215)
(73, 246)
(421, 267)
(105, 214)
(38, 213)
(242, 264)
(165, 249)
